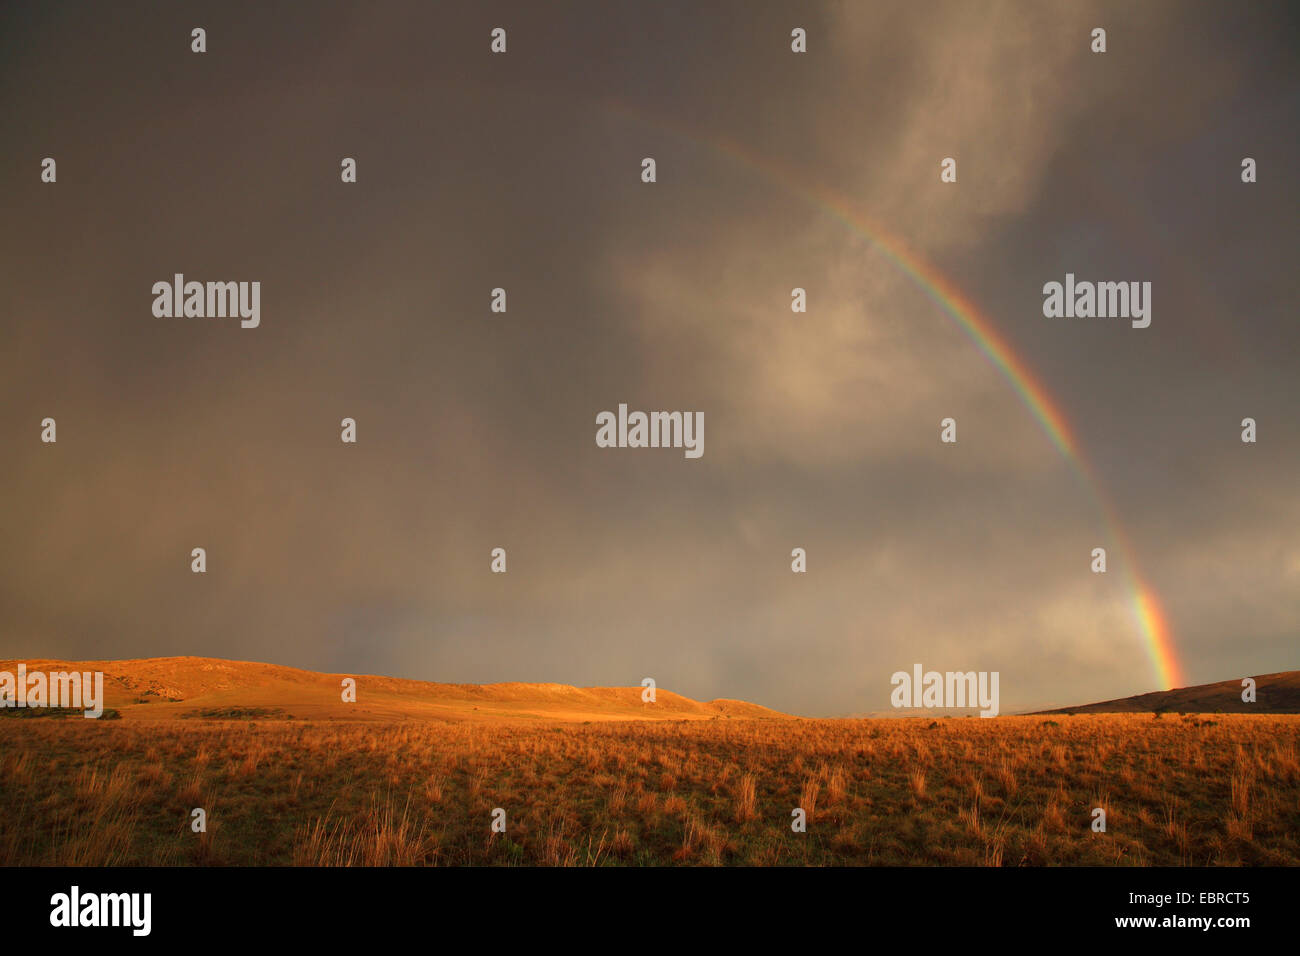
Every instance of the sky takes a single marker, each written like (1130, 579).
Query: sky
(476, 430)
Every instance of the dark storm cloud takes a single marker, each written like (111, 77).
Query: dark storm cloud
(477, 430)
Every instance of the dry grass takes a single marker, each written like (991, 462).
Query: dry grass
(747, 799)
(1219, 790)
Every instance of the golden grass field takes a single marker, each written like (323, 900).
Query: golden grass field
(1008, 791)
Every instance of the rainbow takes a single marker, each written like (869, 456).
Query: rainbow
(1149, 615)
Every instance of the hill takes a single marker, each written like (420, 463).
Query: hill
(1274, 694)
(205, 687)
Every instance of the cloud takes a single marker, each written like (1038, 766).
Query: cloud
(477, 430)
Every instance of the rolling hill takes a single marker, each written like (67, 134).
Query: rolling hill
(1274, 694)
(205, 687)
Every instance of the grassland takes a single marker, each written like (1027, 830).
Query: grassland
(1196, 790)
